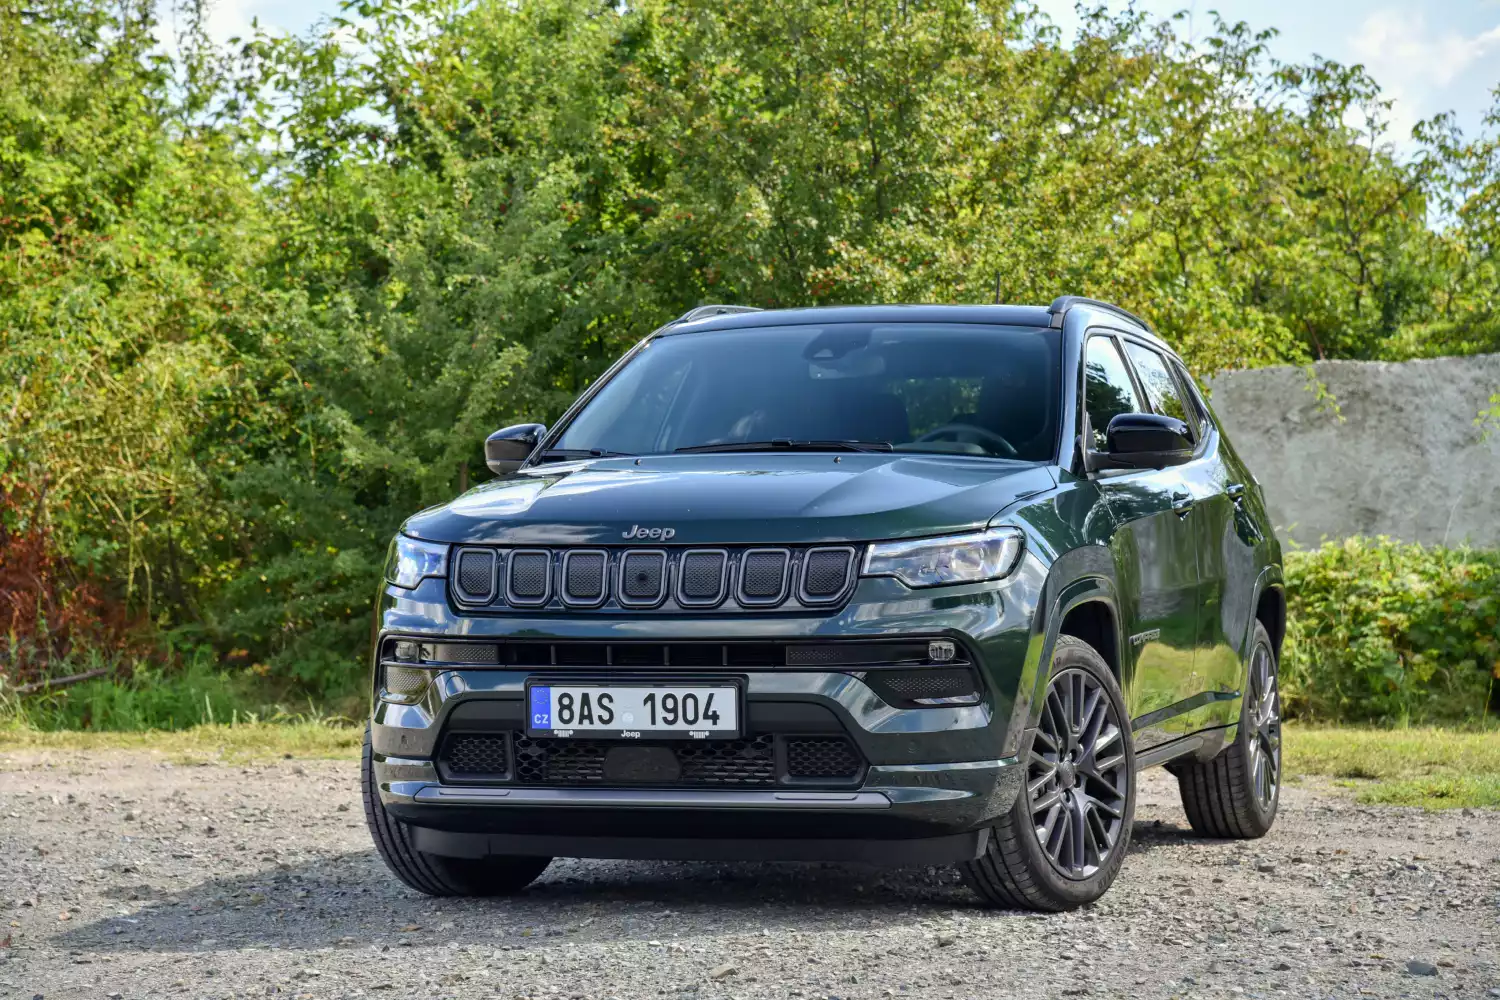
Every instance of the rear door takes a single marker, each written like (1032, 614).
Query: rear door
(1155, 553)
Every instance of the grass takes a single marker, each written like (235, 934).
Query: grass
(229, 742)
(1429, 767)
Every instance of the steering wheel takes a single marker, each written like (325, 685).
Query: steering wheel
(967, 434)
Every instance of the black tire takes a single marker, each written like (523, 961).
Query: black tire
(1228, 796)
(434, 874)
(1018, 870)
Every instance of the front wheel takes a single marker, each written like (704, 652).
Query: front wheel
(1062, 843)
(1235, 794)
(434, 874)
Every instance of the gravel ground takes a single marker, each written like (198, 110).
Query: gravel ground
(124, 875)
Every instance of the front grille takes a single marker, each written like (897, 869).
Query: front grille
(760, 761)
(530, 576)
(475, 575)
(583, 576)
(763, 576)
(674, 579)
(825, 574)
(701, 580)
(643, 578)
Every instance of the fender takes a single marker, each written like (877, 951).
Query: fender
(1044, 632)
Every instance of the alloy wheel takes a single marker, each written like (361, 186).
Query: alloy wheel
(1264, 721)
(1078, 777)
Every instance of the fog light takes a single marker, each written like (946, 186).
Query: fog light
(405, 683)
(941, 650)
(408, 652)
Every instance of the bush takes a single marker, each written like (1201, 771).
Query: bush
(1384, 631)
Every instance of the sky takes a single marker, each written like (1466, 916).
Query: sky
(1428, 55)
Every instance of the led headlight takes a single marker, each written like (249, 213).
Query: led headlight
(410, 560)
(935, 562)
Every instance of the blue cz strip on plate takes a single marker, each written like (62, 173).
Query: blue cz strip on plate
(541, 708)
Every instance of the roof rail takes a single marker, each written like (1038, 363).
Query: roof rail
(704, 312)
(1063, 303)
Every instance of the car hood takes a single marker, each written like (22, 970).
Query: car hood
(734, 498)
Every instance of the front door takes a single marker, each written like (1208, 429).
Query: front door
(1155, 555)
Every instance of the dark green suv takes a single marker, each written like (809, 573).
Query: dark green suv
(893, 584)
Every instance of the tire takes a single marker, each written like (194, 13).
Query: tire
(1235, 794)
(434, 874)
(1051, 868)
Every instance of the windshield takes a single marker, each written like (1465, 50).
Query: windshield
(911, 387)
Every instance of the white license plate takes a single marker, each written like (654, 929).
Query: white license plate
(634, 711)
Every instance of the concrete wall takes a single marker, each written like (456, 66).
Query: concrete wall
(1407, 460)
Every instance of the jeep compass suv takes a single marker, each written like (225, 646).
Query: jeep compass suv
(895, 584)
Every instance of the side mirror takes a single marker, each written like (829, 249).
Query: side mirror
(1146, 441)
(507, 448)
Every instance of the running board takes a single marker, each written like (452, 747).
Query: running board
(1164, 752)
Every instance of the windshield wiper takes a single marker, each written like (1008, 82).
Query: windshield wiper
(786, 444)
(565, 454)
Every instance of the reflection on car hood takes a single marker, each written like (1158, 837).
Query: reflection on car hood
(734, 498)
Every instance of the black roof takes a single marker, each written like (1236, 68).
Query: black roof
(740, 317)
(993, 315)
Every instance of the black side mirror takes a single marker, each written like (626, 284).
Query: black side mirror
(1145, 441)
(507, 448)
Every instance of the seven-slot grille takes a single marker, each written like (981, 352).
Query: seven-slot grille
(761, 760)
(753, 578)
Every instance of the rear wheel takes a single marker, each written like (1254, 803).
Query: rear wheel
(432, 873)
(1063, 841)
(1236, 793)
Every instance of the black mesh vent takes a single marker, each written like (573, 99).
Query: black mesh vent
(719, 763)
(529, 572)
(703, 577)
(824, 573)
(583, 577)
(821, 757)
(471, 755)
(476, 576)
(763, 575)
(642, 577)
(904, 686)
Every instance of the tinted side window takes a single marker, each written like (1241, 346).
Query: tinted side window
(1161, 389)
(1107, 389)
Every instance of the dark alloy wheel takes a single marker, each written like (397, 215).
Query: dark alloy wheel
(1237, 792)
(1062, 843)
(1077, 778)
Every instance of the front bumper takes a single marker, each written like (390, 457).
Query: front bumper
(935, 777)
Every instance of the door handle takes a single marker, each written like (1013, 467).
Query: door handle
(1235, 491)
(1182, 503)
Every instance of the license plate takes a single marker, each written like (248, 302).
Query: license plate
(633, 711)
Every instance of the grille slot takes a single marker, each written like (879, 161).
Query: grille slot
(476, 755)
(474, 576)
(825, 574)
(732, 763)
(702, 577)
(529, 581)
(584, 576)
(763, 576)
(643, 578)
(821, 757)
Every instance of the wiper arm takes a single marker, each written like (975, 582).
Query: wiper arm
(787, 444)
(564, 454)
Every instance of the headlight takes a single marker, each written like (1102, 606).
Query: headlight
(410, 560)
(933, 562)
